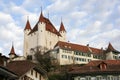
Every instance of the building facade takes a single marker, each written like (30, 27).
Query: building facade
(68, 53)
(96, 70)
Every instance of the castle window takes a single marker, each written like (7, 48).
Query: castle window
(68, 57)
(31, 72)
(29, 57)
(62, 56)
(50, 43)
(39, 77)
(36, 74)
(89, 60)
(88, 78)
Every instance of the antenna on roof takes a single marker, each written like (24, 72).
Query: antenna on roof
(41, 8)
(27, 17)
(61, 18)
(12, 43)
(48, 14)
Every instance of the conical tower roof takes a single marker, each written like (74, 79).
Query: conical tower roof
(62, 28)
(41, 18)
(27, 27)
(12, 52)
(111, 48)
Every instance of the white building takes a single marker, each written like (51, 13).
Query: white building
(68, 53)
(44, 35)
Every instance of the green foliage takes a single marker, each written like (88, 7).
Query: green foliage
(59, 76)
(42, 60)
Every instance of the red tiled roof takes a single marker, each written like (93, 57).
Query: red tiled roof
(49, 26)
(93, 67)
(62, 28)
(20, 67)
(27, 25)
(95, 50)
(12, 51)
(34, 29)
(77, 47)
(110, 48)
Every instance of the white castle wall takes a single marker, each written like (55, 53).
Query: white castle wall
(42, 37)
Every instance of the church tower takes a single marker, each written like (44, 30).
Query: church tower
(62, 31)
(27, 30)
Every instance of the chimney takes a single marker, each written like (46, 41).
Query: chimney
(101, 48)
(88, 45)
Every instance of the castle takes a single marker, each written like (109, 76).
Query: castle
(43, 34)
(45, 37)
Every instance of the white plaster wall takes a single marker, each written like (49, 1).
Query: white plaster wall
(26, 44)
(63, 38)
(34, 75)
(109, 56)
(41, 38)
(64, 61)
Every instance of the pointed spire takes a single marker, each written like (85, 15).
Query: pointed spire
(41, 18)
(12, 52)
(110, 47)
(27, 24)
(62, 28)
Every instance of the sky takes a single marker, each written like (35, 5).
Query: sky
(93, 22)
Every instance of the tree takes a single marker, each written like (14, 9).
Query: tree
(44, 61)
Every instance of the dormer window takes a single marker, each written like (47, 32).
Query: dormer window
(103, 66)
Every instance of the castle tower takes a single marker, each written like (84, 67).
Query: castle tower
(27, 30)
(111, 53)
(12, 53)
(62, 31)
(41, 31)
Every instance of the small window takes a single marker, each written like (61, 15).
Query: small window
(36, 74)
(31, 72)
(39, 77)
(29, 57)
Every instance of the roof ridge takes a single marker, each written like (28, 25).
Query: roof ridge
(78, 47)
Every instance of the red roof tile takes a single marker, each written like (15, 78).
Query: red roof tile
(49, 26)
(95, 50)
(77, 47)
(93, 67)
(27, 25)
(62, 28)
(12, 51)
(20, 67)
(110, 48)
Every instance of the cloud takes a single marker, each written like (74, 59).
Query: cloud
(9, 32)
(88, 21)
